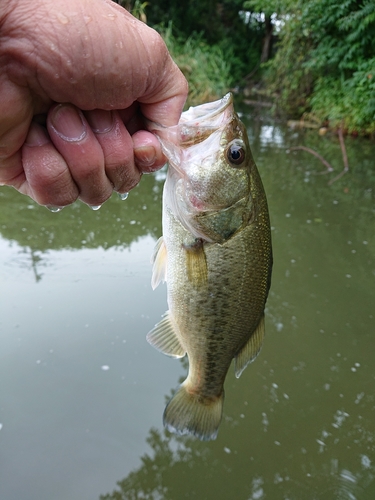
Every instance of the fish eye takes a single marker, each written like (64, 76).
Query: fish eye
(236, 153)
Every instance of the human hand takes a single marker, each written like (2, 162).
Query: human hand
(77, 76)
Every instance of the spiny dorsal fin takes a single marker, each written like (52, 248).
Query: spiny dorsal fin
(196, 264)
(251, 349)
(164, 338)
(159, 259)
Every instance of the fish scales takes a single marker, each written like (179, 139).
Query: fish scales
(216, 257)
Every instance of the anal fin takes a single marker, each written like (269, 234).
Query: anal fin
(164, 338)
(251, 349)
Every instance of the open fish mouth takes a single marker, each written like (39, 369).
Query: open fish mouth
(207, 110)
(196, 125)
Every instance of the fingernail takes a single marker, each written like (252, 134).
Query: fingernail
(37, 136)
(100, 120)
(145, 156)
(68, 123)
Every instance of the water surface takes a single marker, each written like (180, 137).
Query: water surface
(82, 393)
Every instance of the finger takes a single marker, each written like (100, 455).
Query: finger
(47, 177)
(147, 152)
(117, 147)
(77, 144)
(15, 117)
(132, 118)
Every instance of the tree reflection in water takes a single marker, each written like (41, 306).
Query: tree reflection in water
(179, 469)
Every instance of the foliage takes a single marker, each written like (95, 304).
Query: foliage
(325, 61)
(350, 101)
(136, 7)
(211, 41)
(218, 24)
(322, 52)
(286, 74)
(207, 68)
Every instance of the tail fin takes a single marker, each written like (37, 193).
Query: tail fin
(190, 413)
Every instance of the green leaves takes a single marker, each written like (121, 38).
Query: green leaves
(325, 61)
(208, 68)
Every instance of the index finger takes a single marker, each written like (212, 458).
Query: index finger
(15, 118)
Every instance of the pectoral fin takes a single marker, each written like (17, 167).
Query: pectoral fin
(251, 350)
(159, 259)
(164, 338)
(196, 264)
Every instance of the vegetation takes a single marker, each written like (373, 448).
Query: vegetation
(219, 23)
(205, 66)
(324, 62)
(209, 40)
(309, 56)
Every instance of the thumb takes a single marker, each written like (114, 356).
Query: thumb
(165, 103)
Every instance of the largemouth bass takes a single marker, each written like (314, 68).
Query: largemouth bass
(215, 255)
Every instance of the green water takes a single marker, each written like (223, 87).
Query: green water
(82, 393)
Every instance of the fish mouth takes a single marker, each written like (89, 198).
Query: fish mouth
(203, 112)
(196, 125)
(208, 111)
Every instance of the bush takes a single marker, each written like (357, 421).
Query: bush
(205, 67)
(325, 62)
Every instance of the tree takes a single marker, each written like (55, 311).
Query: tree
(324, 61)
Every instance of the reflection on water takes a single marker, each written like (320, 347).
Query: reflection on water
(82, 393)
(176, 466)
(270, 135)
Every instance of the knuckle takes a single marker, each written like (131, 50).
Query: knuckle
(129, 180)
(52, 185)
(123, 175)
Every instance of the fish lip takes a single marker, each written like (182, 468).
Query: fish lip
(193, 114)
(197, 121)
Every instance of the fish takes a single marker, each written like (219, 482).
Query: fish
(215, 254)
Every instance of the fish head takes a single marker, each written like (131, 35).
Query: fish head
(210, 162)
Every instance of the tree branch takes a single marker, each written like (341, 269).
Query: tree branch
(324, 161)
(344, 158)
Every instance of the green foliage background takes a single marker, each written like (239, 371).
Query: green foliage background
(322, 59)
(324, 62)
(218, 23)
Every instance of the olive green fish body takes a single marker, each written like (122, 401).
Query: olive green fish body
(217, 263)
